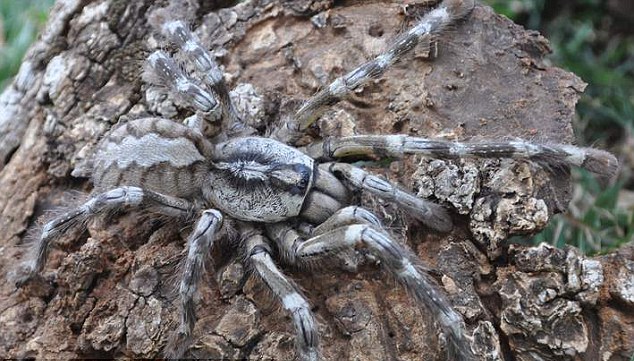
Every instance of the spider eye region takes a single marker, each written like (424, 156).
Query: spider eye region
(292, 178)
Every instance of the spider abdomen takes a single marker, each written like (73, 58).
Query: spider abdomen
(154, 154)
(259, 179)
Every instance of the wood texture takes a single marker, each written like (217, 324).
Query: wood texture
(106, 293)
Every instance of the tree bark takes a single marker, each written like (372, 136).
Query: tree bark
(106, 293)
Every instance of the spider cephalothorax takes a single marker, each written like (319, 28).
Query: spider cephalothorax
(268, 186)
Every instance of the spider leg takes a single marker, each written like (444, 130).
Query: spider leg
(429, 26)
(199, 244)
(162, 70)
(594, 160)
(262, 265)
(327, 183)
(288, 238)
(347, 216)
(400, 262)
(190, 46)
(103, 203)
(429, 213)
(319, 206)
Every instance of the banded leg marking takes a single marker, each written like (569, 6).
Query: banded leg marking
(178, 32)
(288, 239)
(263, 266)
(594, 160)
(433, 23)
(199, 245)
(399, 262)
(162, 70)
(345, 217)
(430, 214)
(112, 200)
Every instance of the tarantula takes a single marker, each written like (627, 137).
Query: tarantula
(267, 187)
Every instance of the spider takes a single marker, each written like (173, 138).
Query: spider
(266, 189)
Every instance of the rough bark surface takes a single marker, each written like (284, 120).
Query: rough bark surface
(105, 293)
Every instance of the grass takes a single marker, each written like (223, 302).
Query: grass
(21, 21)
(589, 42)
(586, 41)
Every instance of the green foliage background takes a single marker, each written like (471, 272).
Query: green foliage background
(587, 39)
(595, 42)
(20, 22)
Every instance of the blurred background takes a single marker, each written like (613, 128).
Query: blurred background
(20, 22)
(592, 38)
(595, 40)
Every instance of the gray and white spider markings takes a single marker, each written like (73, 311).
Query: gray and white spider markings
(171, 169)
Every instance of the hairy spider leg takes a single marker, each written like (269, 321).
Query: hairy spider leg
(347, 216)
(319, 206)
(430, 214)
(429, 26)
(283, 232)
(199, 245)
(189, 45)
(163, 71)
(399, 261)
(327, 183)
(262, 265)
(102, 203)
(381, 146)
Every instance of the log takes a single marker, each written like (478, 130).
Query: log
(106, 293)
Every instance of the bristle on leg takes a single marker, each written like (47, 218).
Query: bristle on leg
(593, 160)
